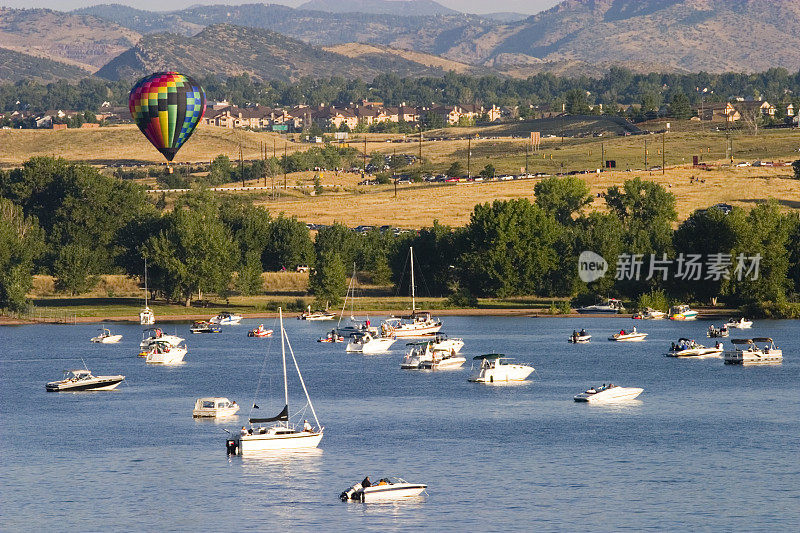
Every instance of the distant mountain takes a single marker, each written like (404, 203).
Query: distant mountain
(225, 49)
(16, 66)
(505, 16)
(141, 21)
(85, 41)
(386, 7)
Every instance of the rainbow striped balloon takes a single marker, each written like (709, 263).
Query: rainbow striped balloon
(167, 107)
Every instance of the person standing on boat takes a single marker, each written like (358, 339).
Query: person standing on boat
(307, 427)
(366, 483)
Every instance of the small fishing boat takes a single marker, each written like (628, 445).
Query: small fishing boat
(682, 312)
(260, 331)
(714, 333)
(388, 488)
(579, 337)
(83, 380)
(226, 319)
(317, 315)
(650, 314)
(748, 352)
(608, 393)
(689, 348)
(628, 336)
(739, 323)
(106, 337)
(163, 353)
(367, 343)
(215, 407)
(496, 367)
(204, 326)
(611, 307)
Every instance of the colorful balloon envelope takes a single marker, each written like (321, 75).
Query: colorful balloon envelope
(167, 107)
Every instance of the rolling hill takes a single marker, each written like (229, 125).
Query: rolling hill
(388, 7)
(16, 66)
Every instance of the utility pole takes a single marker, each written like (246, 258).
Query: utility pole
(365, 155)
(272, 173)
(663, 153)
(602, 155)
(420, 145)
(526, 156)
(241, 165)
(285, 164)
(469, 156)
(645, 154)
(264, 159)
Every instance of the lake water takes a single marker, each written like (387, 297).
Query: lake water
(707, 446)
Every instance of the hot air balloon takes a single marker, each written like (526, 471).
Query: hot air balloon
(167, 107)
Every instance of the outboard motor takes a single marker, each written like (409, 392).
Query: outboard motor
(232, 446)
(351, 493)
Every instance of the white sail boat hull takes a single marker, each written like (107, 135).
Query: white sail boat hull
(267, 442)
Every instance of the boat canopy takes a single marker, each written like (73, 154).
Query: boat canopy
(489, 356)
(684, 339)
(762, 339)
(283, 416)
(744, 341)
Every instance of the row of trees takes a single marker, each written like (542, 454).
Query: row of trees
(71, 221)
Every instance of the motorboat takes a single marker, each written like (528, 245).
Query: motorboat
(204, 326)
(418, 324)
(260, 331)
(356, 326)
(714, 333)
(146, 315)
(226, 319)
(421, 353)
(214, 407)
(611, 307)
(689, 348)
(106, 337)
(748, 352)
(579, 337)
(317, 314)
(152, 335)
(495, 367)
(415, 354)
(279, 433)
(388, 488)
(628, 336)
(682, 312)
(441, 342)
(83, 380)
(650, 314)
(608, 393)
(367, 343)
(443, 360)
(739, 323)
(332, 336)
(163, 353)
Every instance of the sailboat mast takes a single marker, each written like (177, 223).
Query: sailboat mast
(145, 283)
(283, 355)
(303, 383)
(413, 300)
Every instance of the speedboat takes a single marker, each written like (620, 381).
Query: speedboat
(106, 337)
(214, 407)
(739, 323)
(204, 326)
(420, 354)
(628, 336)
(611, 307)
(608, 393)
(416, 353)
(579, 337)
(83, 380)
(682, 312)
(650, 314)
(317, 314)
(260, 331)
(497, 367)
(689, 348)
(163, 353)
(368, 344)
(332, 336)
(713, 332)
(748, 352)
(282, 434)
(226, 319)
(443, 360)
(388, 488)
(152, 335)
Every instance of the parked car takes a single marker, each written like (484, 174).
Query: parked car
(301, 268)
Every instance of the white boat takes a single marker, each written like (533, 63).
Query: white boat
(497, 367)
(317, 315)
(682, 312)
(748, 352)
(226, 319)
(106, 337)
(423, 351)
(650, 314)
(418, 324)
(83, 380)
(628, 336)
(388, 488)
(689, 348)
(443, 360)
(260, 332)
(281, 434)
(355, 325)
(146, 315)
(214, 407)
(714, 333)
(739, 323)
(368, 343)
(204, 326)
(611, 307)
(163, 353)
(152, 335)
(608, 393)
(579, 337)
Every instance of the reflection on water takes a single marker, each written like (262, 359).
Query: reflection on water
(260, 463)
(618, 406)
(394, 508)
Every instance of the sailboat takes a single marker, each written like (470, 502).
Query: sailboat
(146, 316)
(355, 326)
(418, 324)
(280, 434)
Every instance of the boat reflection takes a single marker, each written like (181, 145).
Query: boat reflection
(308, 461)
(616, 406)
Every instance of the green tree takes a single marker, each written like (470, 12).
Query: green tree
(221, 171)
(21, 242)
(679, 106)
(289, 244)
(488, 171)
(72, 268)
(796, 169)
(562, 197)
(328, 281)
(455, 170)
(248, 279)
(603, 234)
(576, 102)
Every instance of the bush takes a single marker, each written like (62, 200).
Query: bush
(654, 299)
(461, 298)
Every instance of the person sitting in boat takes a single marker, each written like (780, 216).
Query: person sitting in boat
(622, 332)
(384, 481)
(158, 333)
(574, 334)
(307, 426)
(583, 332)
(366, 483)
(244, 431)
